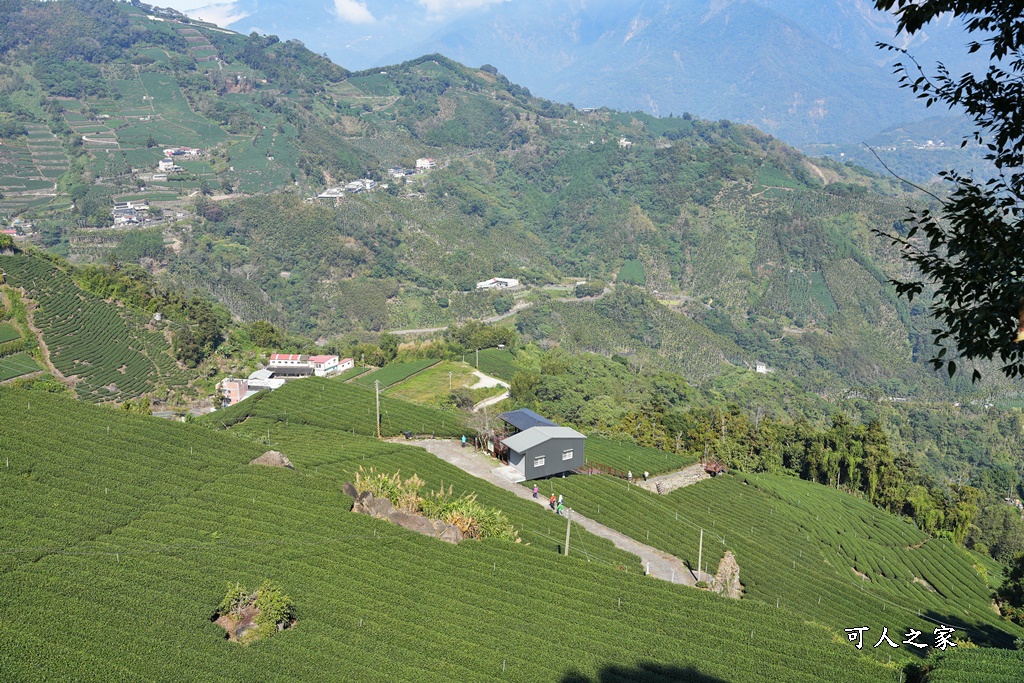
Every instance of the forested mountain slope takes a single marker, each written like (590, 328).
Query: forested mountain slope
(746, 251)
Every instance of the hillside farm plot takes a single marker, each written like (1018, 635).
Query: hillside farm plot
(339, 455)
(963, 665)
(430, 385)
(628, 457)
(153, 106)
(264, 163)
(29, 168)
(125, 529)
(339, 405)
(8, 333)
(821, 553)
(16, 365)
(106, 352)
(632, 273)
(394, 373)
(377, 85)
(351, 373)
(498, 363)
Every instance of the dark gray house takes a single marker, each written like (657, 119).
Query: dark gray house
(544, 450)
(524, 418)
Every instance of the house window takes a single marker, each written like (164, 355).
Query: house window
(567, 455)
(538, 461)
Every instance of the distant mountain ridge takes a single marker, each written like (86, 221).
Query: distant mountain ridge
(806, 72)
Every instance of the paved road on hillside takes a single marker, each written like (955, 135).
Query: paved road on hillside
(522, 305)
(662, 565)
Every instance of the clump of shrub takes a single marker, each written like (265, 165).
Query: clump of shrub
(472, 518)
(248, 615)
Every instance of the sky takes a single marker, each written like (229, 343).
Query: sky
(356, 33)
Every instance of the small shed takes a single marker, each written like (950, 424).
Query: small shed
(546, 450)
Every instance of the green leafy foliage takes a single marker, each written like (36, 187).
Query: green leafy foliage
(968, 247)
(473, 519)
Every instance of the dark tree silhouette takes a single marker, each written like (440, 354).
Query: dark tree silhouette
(971, 251)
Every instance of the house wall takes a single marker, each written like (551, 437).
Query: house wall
(551, 450)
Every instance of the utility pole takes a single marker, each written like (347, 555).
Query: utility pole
(449, 381)
(568, 528)
(700, 553)
(376, 384)
(478, 359)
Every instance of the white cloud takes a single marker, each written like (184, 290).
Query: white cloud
(440, 8)
(353, 11)
(220, 13)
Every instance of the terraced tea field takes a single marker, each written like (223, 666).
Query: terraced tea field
(29, 168)
(331, 404)
(8, 333)
(124, 530)
(821, 553)
(16, 365)
(969, 665)
(106, 352)
(629, 457)
(498, 363)
(394, 373)
(434, 383)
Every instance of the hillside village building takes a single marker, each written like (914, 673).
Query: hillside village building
(425, 164)
(539, 447)
(498, 283)
(293, 365)
(233, 390)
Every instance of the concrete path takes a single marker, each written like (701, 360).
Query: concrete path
(661, 564)
(490, 401)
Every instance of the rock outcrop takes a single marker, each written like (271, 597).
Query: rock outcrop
(273, 459)
(727, 579)
(382, 508)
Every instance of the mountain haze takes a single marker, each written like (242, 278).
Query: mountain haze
(807, 72)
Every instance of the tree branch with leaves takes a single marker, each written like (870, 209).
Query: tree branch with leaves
(970, 252)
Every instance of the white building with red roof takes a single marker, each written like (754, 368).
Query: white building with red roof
(293, 364)
(323, 365)
(289, 360)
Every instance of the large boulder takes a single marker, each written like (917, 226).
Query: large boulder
(727, 579)
(382, 508)
(367, 504)
(450, 533)
(417, 523)
(273, 459)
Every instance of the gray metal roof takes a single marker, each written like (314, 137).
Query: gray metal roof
(534, 436)
(524, 418)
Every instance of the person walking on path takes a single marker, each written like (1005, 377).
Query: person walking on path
(559, 498)
(463, 440)
(560, 508)
(629, 476)
(552, 501)
(535, 490)
(646, 474)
